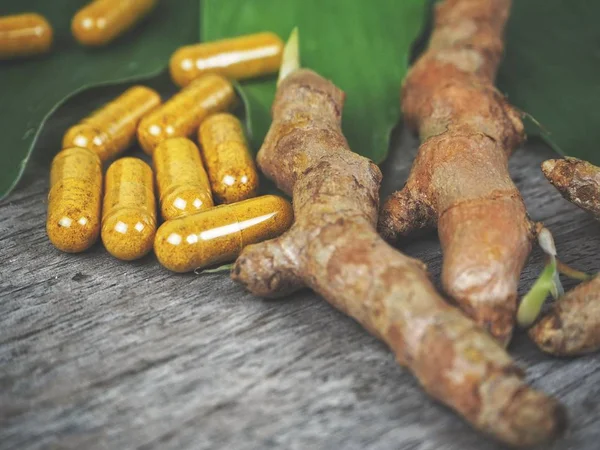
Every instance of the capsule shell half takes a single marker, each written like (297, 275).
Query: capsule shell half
(237, 58)
(74, 201)
(219, 234)
(24, 35)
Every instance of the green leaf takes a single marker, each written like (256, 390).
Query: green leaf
(363, 46)
(33, 88)
(550, 71)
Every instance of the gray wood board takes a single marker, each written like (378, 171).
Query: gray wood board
(99, 353)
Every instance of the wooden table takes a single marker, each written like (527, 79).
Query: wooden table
(97, 353)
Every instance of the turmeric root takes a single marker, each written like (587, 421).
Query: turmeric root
(572, 326)
(460, 179)
(578, 181)
(334, 249)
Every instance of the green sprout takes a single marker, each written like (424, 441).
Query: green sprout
(547, 283)
(290, 60)
(217, 269)
(532, 302)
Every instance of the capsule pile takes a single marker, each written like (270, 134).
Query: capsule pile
(206, 193)
(97, 24)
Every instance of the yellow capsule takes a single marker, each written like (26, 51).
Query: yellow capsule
(129, 212)
(73, 222)
(219, 234)
(230, 165)
(24, 35)
(183, 185)
(101, 21)
(111, 129)
(182, 114)
(237, 58)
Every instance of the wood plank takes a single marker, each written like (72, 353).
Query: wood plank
(99, 353)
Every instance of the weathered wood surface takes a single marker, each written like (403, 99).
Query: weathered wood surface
(96, 353)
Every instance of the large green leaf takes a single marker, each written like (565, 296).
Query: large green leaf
(363, 46)
(551, 70)
(32, 89)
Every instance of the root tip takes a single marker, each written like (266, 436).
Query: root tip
(548, 167)
(538, 419)
(548, 335)
(492, 307)
(389, 224)
(259, 272)
(385, 228)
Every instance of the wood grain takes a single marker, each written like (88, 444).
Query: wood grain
(97, 353)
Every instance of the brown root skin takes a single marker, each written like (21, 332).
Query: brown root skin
(334, 248)
(460, 180)
(572, 326)
(578, 181)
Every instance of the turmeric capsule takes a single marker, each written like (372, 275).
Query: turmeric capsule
(230, 165)
(129, 212)
(24, 35)
(101, 21)
(182, 114)
(219, 234)
(73, 222)
(238, 58)
(183, 185)
(111, 129)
